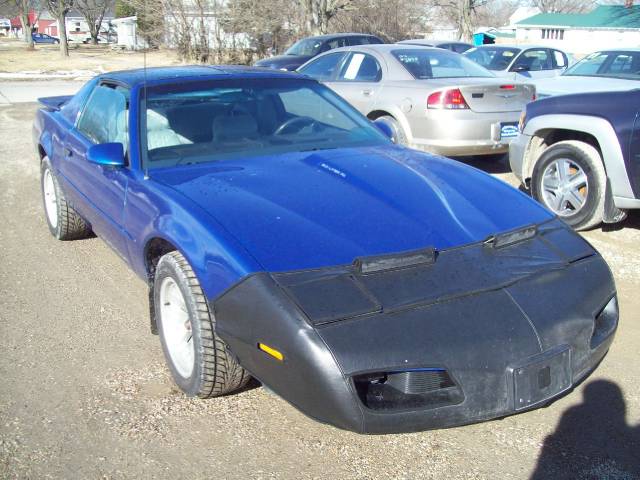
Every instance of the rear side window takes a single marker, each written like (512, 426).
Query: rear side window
(336, 43)
(353, 41)
(104, 119)
(323, 68)
(360, 67)
(533, 61)
(71, 109)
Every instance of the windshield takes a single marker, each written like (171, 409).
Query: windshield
(492, 58)
(624, 65)
(438, 63)
(215, 121)
(307, 46)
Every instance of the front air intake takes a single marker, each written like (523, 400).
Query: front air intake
(408, 389)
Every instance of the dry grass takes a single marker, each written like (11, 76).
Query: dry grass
(14, 57)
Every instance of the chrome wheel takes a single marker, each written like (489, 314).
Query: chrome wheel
(176, 327)
(564, 187)
(50, 199)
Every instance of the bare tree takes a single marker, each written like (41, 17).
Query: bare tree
(93, 12)
(263, 22)
(563, 6)
(403, 19)
(21, 9)
(320, 12)
(59, 9)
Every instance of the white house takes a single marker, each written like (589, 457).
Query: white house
(127, 30)
(606, 26)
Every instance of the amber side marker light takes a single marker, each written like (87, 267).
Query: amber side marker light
(271, 351)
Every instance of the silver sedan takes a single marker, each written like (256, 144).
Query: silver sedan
(433, 99)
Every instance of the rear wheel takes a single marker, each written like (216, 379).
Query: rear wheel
(200, 363)
(570, 180)
(63, 221)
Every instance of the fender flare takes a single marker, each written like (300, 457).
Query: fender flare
(599, 128)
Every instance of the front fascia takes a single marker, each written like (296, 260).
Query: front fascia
(422, 316)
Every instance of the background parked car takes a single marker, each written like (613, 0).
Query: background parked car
(518, 63)
(458, 47)
(580, 154)
(44, 38)
(432, 99)
(307, 48)
(600, 71)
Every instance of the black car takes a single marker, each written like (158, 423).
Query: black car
(457, 47)
(307, 48)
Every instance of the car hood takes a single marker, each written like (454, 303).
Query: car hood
(564, 85)
(313, 209)
(290, 62)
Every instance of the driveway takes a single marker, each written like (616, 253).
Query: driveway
(84, 392)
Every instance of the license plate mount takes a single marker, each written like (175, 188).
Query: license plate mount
(542, 377)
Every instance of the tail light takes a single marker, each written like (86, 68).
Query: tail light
(447, 99)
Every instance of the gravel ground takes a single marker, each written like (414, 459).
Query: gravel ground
(84, 392)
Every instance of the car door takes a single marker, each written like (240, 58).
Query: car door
(99, 191)
(533, 63)
(359, 80)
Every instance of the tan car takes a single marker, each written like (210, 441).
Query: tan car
(433, 99)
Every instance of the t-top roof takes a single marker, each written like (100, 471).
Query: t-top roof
(194, 72)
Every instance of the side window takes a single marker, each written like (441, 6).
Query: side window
(360, 67)
(71, 109)
(460, 47)
(104, 118)
(559, 58)
(323, 68)
(533, 61)
(337, 43)
(624, 63)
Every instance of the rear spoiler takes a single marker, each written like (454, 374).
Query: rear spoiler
(54, 103)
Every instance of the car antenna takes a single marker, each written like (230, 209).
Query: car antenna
(144, 89)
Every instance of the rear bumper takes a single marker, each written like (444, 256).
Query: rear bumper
(456, 133)
(404, 319)
(517, 150)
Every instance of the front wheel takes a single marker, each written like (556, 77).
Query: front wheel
(199, 360)
(569, 179)
(399, 136)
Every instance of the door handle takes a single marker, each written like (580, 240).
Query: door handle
(367, 93)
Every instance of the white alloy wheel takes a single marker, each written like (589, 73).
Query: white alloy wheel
(176, 326)
(565, 187)
(50, 198)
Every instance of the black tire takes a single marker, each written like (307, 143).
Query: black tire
(587, 158)
(69, 225)
(215, 370)
(399, 135)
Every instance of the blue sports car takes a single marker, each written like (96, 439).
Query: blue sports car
(283, 236)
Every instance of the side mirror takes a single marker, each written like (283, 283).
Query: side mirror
(385, 128)
(520, 68)
(107, 154)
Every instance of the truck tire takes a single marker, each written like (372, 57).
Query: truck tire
(569, 179)
(63, 221)
(199, 360)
